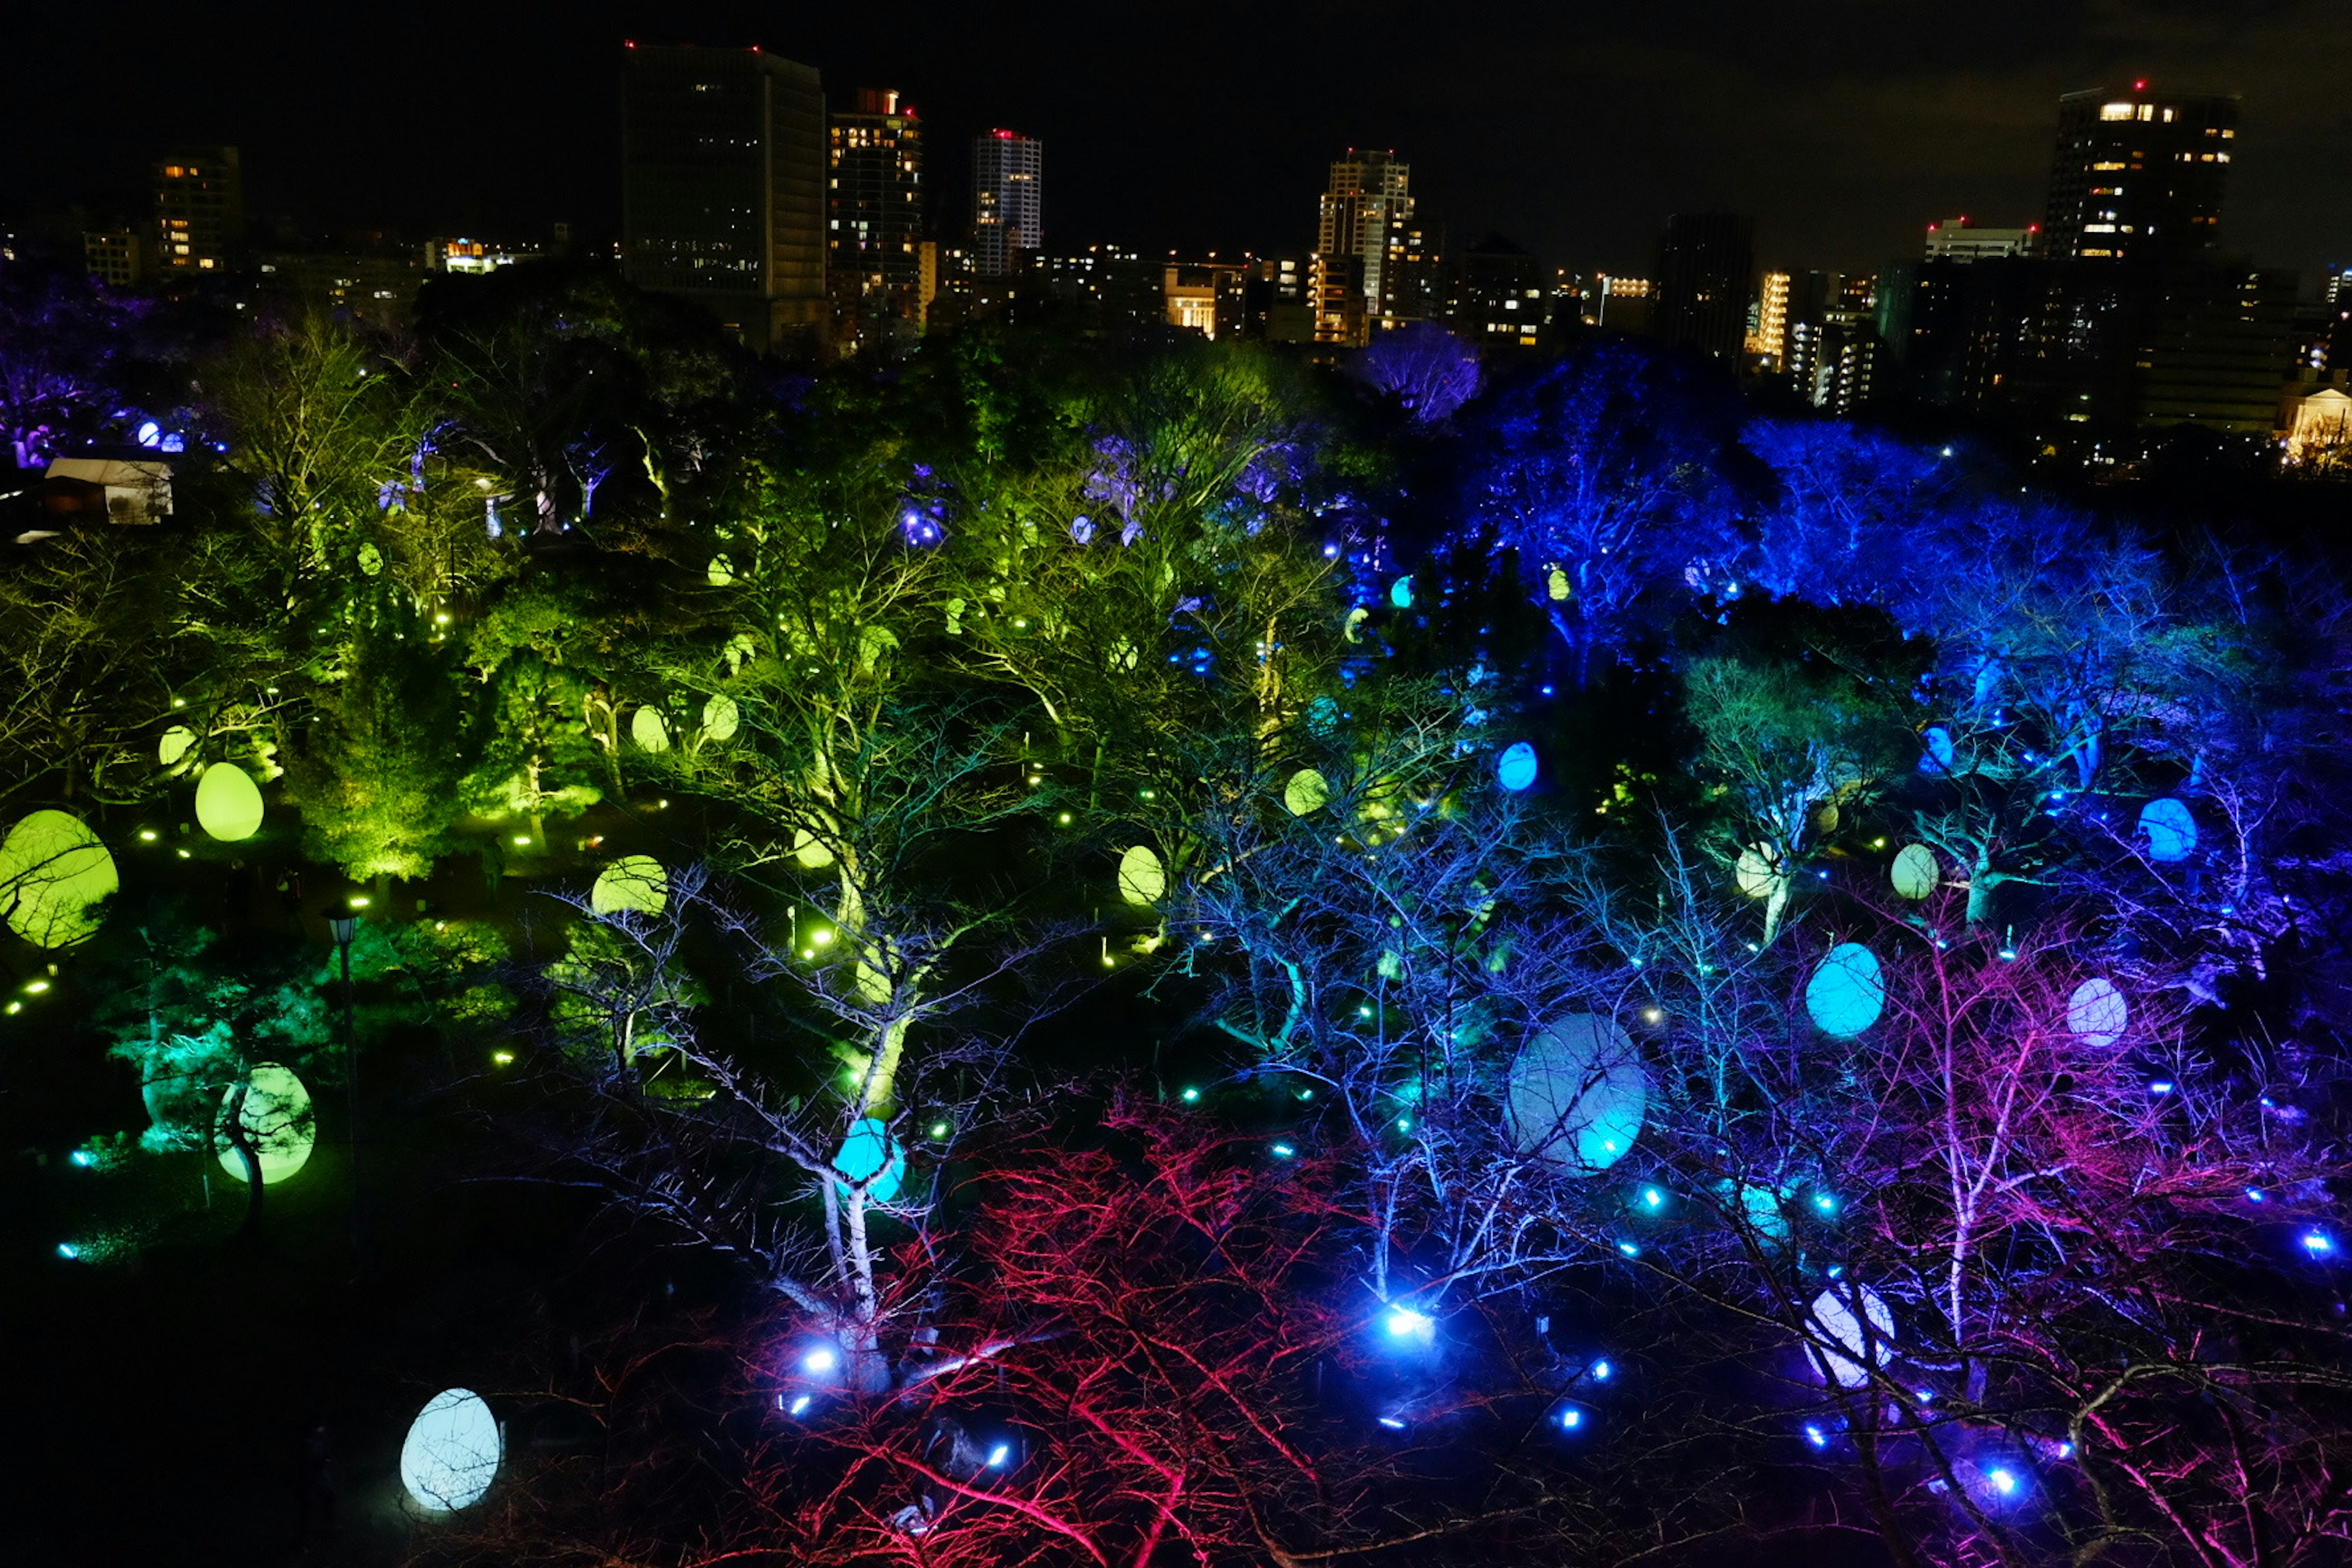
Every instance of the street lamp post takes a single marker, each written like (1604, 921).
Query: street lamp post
(343, 926)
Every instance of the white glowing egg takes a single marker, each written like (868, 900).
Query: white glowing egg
(1306, 791)
(720, 718)
(1141, 878)
(452, 1452)
(634, 883)
(2170, 829)
(2096, 1014)
(650, 729)
(1578, 1094)
(54, 873)
(228, 803)
(1915, 872)
(1847, 992)
(1756, 872)
(1844, 1343)
(175, 744)
(278, 1120)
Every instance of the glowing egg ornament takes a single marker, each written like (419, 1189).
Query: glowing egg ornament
(720, 718)
(53, 874)
(1915, 872)
(452, 1452)
(2170, 831)
(277, 1119)
(1847, 992)
(1308, 792)
(1400, 593)
(650, 729)
(1850, 1350)
(1940, 753)
(1578, 1094)
(1756, 872)
(635, 884)
(228, 803)
(1518, 768)
(869, 1154)
(1354, 622)
(1141, 878)
(176, 742)
(810, 852)
(2097, 1013)
(720, 571)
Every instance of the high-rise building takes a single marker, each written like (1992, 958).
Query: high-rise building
(1624, 304)
(1007, 201)
(2139, 174)
(1706, 268)
(1961, 240)
(1498, 295)
(874, 223)
(1834, 349)
(116, 256)
(723, 188)
(1771, 347)
(1362, 246)
(199, 211)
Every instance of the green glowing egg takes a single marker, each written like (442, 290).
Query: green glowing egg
(720, 571)
(175, 744)
(2097, 1014)
(810, 852)
(54, 873)
(1578, 1094)
(650, 729)
(1306, 791)
(720, 718)
(1850, 1331)
(452, 1452)
(1915, 872)
(871, 1155)
(1847, 992)
(1757, 872)
(277, 1121)
(1354, 624)
(1141, 878)
(634, 883)
(228, 803)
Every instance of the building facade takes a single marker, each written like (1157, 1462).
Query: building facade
(874, 223)
(116, 256)
(1008, 202)
(199, 211)
(723, 189)
(1705, 270)
(1364, 247)
(2139, 176)
(1961, 240)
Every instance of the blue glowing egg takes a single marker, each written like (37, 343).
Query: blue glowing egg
(1578, 1094)
(1847, 992)
(1940, 750)
(1517, 769)
(2170, 831)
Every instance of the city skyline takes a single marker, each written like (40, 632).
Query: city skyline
(1844, 154)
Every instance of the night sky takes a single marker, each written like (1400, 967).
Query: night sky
(1572, 127)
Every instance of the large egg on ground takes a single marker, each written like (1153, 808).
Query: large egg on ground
(2097, 1013)
(1850, 1331)
(452, 1452)
(2170, 829)
(1306, 791)
(1141, 878)
(1847, 992)
(634, 883)
(1578, 1094)
(1915, 872)
(277, 1121)
(53, 875)
(650, 729)
(228, 803)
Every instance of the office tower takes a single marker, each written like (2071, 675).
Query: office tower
(723, 188)
(1007, 201)
(199, 211)
(1624, 304)
(1498, 295)
(2139, 174)
(1772, 323)
(1834, 349)
(1959, 240)
(116, 256)
(1705, 271)
(1277, 305)
(874, 223)
(1362, 246)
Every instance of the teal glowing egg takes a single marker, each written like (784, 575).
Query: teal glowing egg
(1517, 769)
(720, 718)
(452, 1452)
(1578, 1094)
(1847, 992)
(1849, 1330)
(228, 803)
(1940, 752)
(54, 875)
(2170, 829)
(635, 883)
(871, 1155)
(650, 729)
(1141, 878)
(177, 744)
(1914, 873)
(2097, 1014)
(278, 1120)
(1400, 593)
(1308, 792)
(1762, 1207)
